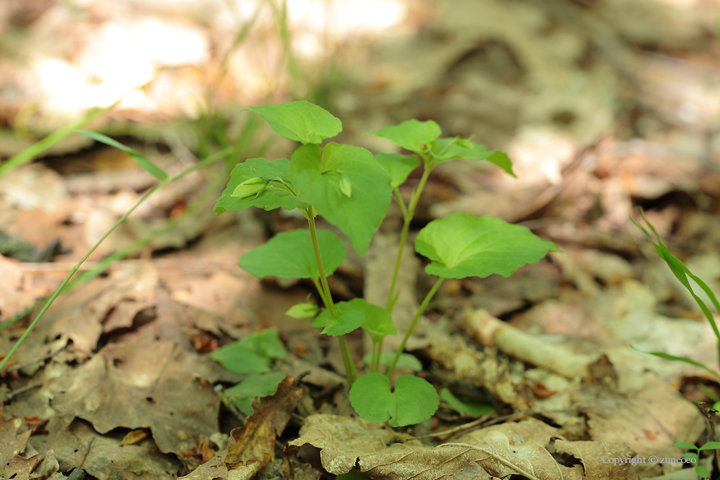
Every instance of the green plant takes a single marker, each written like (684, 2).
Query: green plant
(693, 457)
(352, 190)
(682, 273)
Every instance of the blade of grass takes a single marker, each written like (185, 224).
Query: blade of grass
(96, 271)
(37, 148)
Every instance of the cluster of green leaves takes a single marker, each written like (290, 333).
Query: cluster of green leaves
(252, 356)
(684, 275)
(352, 188)
(700, 470)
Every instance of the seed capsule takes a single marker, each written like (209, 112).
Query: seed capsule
(303, 310)
(345, 186)
(250, 187)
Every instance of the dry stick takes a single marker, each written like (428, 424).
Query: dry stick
(709, 414)
(31, 362)
(204, 163)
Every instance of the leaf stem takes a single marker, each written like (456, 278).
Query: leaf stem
(327, 298)
(420, 311)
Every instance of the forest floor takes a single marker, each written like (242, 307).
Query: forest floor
(603, 106)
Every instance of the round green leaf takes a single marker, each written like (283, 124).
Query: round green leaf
(372, 399)
(413, 401)
(378, 322)
(411, 135)
(462, 245)
(687, 445)
(347, 320)
(274, 195)
(317, 175)
(291, 255)
(259, 385)
(399, 167)
(446, 149)
(300, 121)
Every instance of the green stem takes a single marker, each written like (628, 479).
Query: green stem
(420, 311)
(327, 299)
(204, 163)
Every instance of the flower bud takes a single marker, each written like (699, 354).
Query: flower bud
(345, 186)
(250, 187)
(303, 310)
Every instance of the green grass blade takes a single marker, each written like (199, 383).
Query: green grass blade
(37, 148)
(57, 292)
(667, 356)
(138, 158)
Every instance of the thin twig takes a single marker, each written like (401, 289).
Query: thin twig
(41, 359)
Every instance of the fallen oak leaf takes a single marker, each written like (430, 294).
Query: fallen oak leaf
(255, 441)
(252, 446)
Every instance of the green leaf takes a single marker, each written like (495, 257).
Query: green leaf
(252, 354)
(399, 167)
(138, 158)
(413, 401)
(472, 409)
(461, 245)
(348, 320)
(406, 360)
(258, 385)
(278, 193)
(691, 456)
(314, 172)
(446, 149)
(710, 446)
(674, 358)
(687, 445)
(303, 310)
(291, 255)
(701, 471)
(300, 121)
(411, 135)
(378, 322)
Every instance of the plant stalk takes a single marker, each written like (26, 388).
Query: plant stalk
(327, 299)
(420, 311)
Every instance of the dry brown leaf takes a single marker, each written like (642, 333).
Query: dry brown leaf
(103, 456)
(255, 441)
(12, 443)
(153, 385)
(102, 305)
(252, 446)
(499, 451)
(135, 436)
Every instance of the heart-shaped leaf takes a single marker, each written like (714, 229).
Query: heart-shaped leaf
(316, 173)
(413, 401)
(472, 409)
(291, 255)
(278, 193)
(378, 322)
(412, 135)
(397, 166)
(347, 320)
(446, 149)
(300, 121)
(462, 245)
